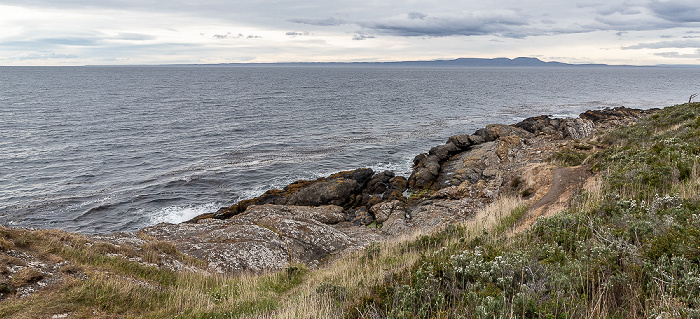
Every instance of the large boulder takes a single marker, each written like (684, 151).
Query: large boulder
(331, 192)
(424, 172)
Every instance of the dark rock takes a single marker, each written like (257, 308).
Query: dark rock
(379, 183)
(485, 135)
(493, 132)
(373, 200)
(469, 166)
(558, 128)
(425, 173)
(360, 175)
(394, 195)
(419, 158)
(476, 139)
(337, 189)
(359, 216)
(616, 113)
(461, 141)
(443, 152)
(539, 124)
(399, 183)
(332, 192)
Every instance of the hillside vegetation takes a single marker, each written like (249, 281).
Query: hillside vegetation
(626, 246)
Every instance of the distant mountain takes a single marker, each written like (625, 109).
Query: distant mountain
(463, 62)
(497, 62)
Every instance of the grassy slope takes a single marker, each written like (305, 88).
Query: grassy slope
(628, 248)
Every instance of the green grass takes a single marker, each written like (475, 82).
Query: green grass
(632, 251)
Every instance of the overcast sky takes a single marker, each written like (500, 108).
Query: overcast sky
(79, 32)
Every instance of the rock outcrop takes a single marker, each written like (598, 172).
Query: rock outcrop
(356, 188)
(478, 152)
(264, 237)
(308, 221)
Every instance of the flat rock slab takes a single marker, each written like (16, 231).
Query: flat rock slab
(264, 237)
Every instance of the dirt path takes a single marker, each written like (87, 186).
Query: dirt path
(565, 182)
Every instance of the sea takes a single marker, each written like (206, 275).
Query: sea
(104, 149)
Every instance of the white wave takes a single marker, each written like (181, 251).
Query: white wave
(400, 169)
(179, 214)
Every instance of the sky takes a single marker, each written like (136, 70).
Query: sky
(131, 32)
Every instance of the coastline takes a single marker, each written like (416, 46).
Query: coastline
(309, 221)
(539, 163)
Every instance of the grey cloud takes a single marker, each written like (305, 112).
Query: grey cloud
(416, 15)
(679, 11)
(44, 56)
(478, 23)
(296, 34)
(230, 35)
(695, 55)
(359, 37)
(135, 37)
(46, 42)
(623, 9)
(665, 44)
(327, 22)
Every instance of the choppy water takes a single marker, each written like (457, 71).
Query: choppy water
(101, 149)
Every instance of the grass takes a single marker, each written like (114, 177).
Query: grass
(627, 246)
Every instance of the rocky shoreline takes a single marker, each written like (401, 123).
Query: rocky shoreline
(310, 222)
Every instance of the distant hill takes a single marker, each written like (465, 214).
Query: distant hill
(462, 62)
(496, 62)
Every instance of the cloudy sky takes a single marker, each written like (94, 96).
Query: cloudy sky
(79, 32)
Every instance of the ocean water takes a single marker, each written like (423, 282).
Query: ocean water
(103, 149)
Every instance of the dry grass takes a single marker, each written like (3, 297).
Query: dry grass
(98, 283)
(690, 188)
